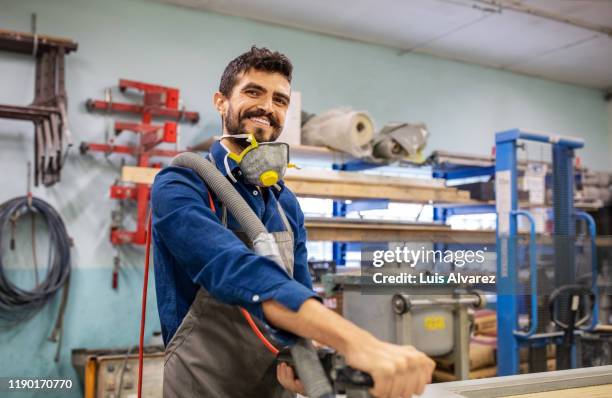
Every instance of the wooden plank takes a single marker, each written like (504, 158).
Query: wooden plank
(139, 175)
(362, 178)
(347, 230)
(329, 184)
(23, 42)
(602, 391)
(336, 230)
(346, 185)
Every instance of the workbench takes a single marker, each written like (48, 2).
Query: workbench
(593, 382)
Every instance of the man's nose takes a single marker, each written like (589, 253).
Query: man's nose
(265, 104)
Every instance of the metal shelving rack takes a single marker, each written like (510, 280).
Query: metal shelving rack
(441, 211)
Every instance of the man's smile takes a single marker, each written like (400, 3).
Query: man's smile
(261, 120)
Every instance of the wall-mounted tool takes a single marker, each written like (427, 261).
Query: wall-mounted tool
(48, 110)
(158, 101)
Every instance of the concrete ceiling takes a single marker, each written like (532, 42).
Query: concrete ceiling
(562, 40)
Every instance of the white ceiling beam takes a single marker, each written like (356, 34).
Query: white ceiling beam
(523, 8)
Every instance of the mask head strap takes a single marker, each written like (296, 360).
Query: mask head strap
(249, 137)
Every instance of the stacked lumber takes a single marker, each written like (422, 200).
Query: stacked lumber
(482, 364)
(483, 352)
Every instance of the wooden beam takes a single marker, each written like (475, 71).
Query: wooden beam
(348, 185)
(349, 230)
(139, 175)
(23, 42)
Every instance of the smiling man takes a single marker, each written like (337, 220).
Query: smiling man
(205, 269)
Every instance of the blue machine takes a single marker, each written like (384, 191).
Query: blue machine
(509, 337)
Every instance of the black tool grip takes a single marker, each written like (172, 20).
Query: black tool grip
(352, 377)
(343, 377)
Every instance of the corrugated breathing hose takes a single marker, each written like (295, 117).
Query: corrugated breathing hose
(17, 304)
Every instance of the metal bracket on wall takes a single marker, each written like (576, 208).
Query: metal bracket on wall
(48, 110)
(157, 101)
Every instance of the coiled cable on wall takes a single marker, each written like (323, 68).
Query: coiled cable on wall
(18, 304)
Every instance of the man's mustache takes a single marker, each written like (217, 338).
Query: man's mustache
(259, 113)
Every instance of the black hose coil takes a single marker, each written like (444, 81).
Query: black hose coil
(17, 304)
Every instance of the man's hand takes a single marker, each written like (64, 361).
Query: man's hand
(398, 371)
(286, 377)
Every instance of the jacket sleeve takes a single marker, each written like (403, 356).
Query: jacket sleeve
(212, 255)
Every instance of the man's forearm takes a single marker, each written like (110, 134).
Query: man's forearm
(314, 321)
(398, 371)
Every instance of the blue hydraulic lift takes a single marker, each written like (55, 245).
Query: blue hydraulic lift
(509, 337)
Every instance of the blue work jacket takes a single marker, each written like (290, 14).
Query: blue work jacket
(192, 248)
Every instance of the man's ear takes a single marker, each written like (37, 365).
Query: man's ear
(220, 103)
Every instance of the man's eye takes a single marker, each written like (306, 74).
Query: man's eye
(252, 92)
(281, 101)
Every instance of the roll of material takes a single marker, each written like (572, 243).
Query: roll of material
(342, 129)
(401, 141)
(596, 193)
(597, 178)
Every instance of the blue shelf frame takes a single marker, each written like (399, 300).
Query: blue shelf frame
(447, 171)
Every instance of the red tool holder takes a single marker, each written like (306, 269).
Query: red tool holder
(158, 101)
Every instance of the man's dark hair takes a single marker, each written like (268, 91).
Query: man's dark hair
(256, 58)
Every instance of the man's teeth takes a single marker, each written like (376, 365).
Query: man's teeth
(261, 120)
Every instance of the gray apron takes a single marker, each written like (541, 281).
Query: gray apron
(215, 353)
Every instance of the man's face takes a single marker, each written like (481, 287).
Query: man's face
(257, 105)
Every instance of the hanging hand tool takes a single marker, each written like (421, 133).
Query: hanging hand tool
(48, 110)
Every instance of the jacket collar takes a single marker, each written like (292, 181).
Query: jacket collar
(226, 165)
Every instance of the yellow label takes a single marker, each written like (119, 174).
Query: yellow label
(434, 323)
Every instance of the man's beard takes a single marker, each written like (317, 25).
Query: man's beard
(235, 124)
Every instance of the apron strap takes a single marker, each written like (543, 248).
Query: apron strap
(284, 217)
(244, 312)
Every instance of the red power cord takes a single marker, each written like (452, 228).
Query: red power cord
(244, 312)
(144, 307)
(258, 332)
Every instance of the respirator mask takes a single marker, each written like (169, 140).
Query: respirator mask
(262, 164)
